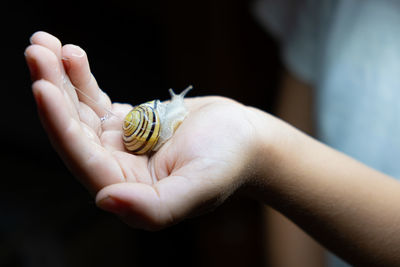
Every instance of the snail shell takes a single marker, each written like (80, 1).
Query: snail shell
(149, 125)
(142, 128)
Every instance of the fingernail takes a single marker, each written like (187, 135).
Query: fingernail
(77, 51)
(66, 62)
(31, 38)
(113, 205)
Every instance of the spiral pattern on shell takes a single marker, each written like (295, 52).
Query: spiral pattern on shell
(142, 128)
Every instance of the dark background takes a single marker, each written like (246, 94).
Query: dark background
(137, 50)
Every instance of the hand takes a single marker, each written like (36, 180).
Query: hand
(220, 147)
(207, 159)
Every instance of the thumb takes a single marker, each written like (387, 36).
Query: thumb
(157, 206)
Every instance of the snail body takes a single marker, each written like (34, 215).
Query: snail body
(149, 125)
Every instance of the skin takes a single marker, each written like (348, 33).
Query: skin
(287, 244)
(345, 205)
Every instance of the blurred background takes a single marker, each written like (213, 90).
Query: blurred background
(137, 50)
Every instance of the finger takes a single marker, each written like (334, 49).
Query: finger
(90, 162)
(138, 204)
(90, 118)
(43, 64)
(49, 41)
(54, 45)
(112, 131)
(163, 204)
(77, 67)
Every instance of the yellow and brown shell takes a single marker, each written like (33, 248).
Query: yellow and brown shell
(148, 126)
(142, 128)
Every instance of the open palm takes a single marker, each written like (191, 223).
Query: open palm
(199, 167)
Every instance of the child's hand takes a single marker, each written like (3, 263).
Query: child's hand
(208, 158)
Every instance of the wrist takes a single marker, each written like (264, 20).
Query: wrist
(274, 144)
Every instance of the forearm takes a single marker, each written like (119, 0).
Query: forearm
(348, 207)
(287, 245)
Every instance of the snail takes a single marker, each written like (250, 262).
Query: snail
(149, 125)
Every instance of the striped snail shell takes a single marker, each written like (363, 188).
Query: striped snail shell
(149, 125)
(142, 127)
